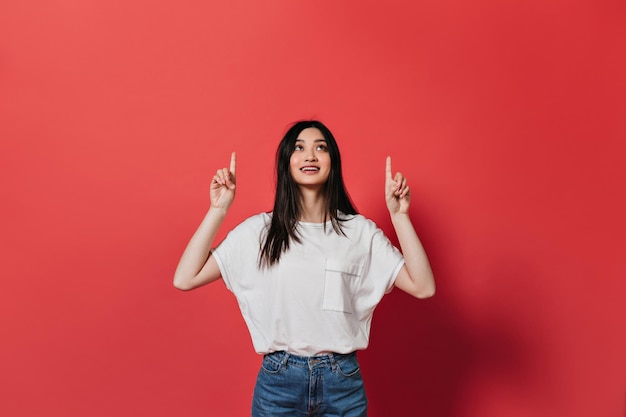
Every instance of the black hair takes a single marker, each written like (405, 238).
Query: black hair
(287, 200)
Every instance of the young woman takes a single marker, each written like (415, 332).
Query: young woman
(308, 275)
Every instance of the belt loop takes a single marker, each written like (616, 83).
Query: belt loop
(283, 363)
(333, 362)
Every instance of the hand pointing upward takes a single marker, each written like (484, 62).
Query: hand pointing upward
(397, 193)
(223, 185)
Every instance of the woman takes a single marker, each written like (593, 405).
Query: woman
(308, 276)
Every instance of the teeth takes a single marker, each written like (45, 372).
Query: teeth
(309, 169)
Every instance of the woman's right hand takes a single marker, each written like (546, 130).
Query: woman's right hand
(223, 185)
(197, 267)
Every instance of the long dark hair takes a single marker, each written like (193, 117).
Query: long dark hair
(287, 202)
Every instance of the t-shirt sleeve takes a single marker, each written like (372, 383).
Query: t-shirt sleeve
(381, 266)
(238, 250)
(386, 260)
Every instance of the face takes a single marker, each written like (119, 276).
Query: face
(310, 161)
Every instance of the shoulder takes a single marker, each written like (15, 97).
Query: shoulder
(357, 220)
(253, 224)
(256, 220)
(358, 223)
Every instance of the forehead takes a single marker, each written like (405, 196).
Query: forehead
(310, 133)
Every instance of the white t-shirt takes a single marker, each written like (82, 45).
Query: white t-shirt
(321, 295)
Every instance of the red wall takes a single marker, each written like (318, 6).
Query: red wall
(507, 117)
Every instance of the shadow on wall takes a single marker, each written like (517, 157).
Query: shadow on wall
(431, 357)
(417, 361)
(424, 358)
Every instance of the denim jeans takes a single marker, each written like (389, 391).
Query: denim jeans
(327, 385)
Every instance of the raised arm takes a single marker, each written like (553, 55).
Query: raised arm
(415, 277)
(196, 266)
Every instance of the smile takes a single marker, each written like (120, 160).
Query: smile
(309, 169)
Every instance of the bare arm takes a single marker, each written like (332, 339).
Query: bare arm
(415, 277)
(197, 266)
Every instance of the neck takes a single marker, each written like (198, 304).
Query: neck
(313, 206)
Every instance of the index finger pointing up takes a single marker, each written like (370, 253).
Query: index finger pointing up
(388, 167)
(233, 163)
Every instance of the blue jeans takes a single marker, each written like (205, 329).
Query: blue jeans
(321, 386)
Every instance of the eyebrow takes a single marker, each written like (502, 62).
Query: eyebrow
(316, 140)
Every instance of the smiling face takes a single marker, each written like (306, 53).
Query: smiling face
(310, 161)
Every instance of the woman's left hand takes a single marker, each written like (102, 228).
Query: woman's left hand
(397, 193)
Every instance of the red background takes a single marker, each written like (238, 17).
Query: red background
(508, 118)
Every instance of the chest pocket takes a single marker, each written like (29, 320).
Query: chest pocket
(340, 282)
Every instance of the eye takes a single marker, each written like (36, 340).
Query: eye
(323, 148)
(298, 148)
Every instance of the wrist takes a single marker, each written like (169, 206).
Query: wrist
(399, 216)
(218, 211)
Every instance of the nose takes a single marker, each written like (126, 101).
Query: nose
(310, 156)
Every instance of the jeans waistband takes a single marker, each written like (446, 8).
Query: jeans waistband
(329, 359)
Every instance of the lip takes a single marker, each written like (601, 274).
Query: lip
(310, 169)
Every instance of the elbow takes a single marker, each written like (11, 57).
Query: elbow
(419, 285)
(425, 288)
(181, 284)
(423, 293)
(181, 287)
